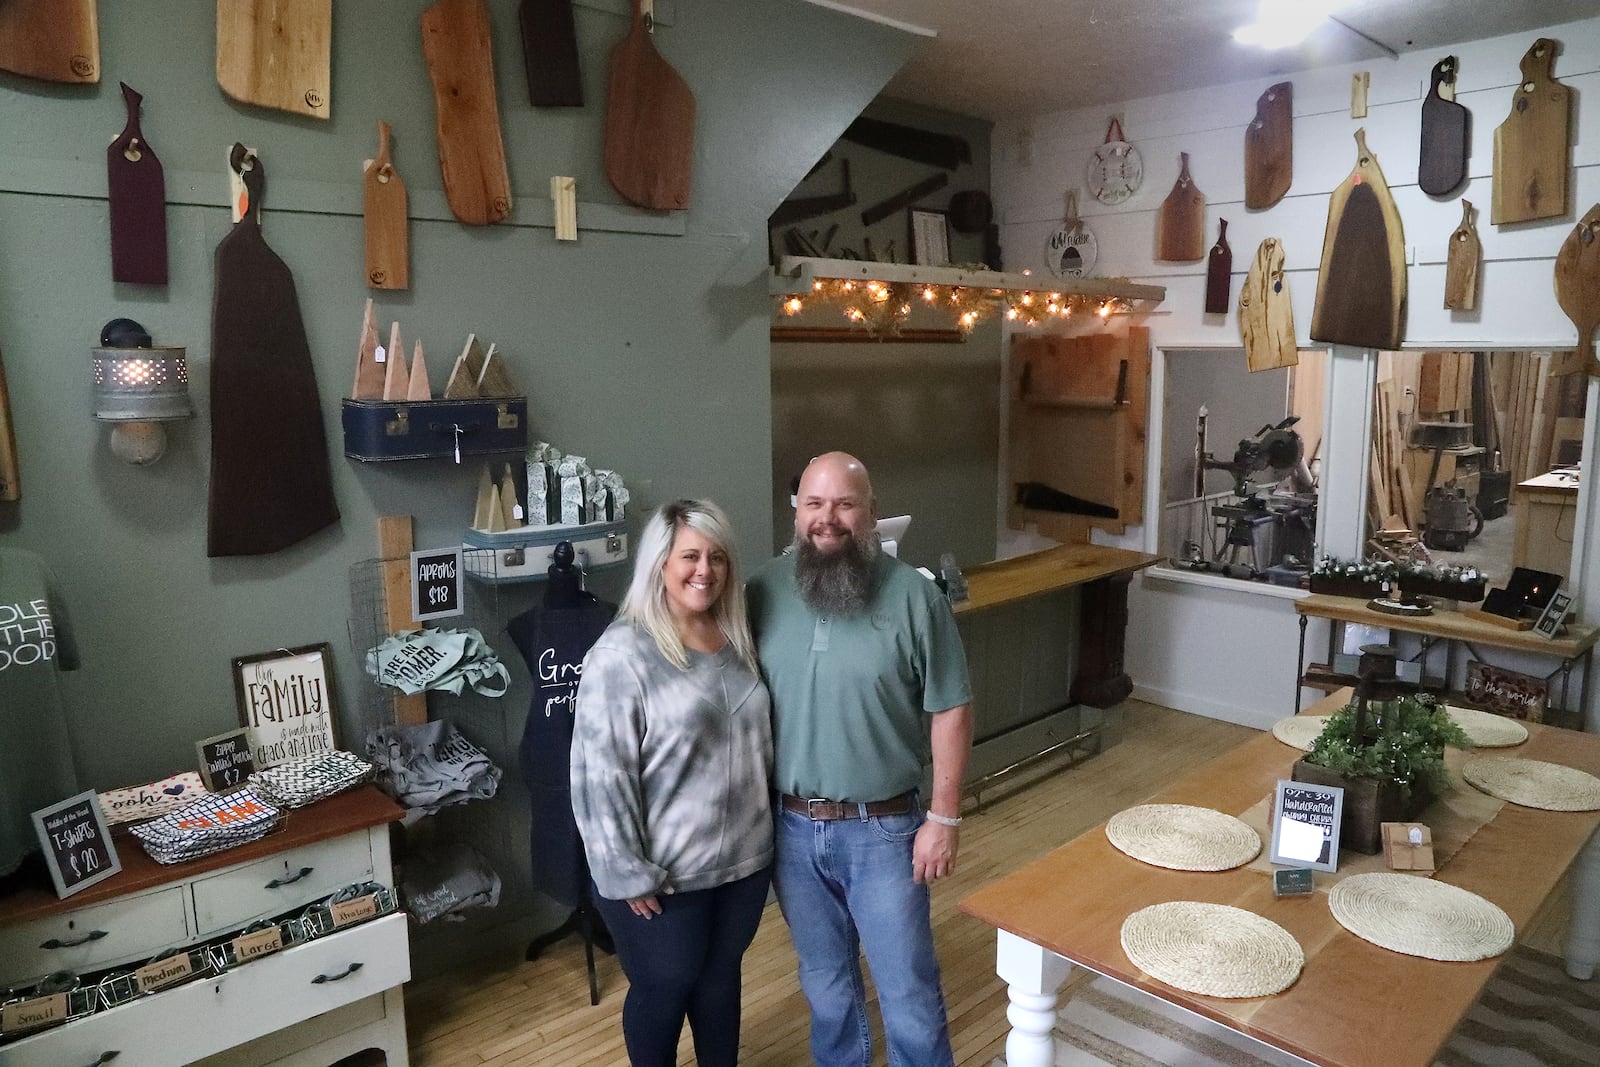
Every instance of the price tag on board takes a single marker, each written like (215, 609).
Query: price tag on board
(436, 584)
(76, 842)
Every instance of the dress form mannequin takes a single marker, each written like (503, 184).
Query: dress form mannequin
(565, 588)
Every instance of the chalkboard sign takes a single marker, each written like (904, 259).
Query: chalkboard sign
(436, 584)
(77, 844)
(1305, 825)
(225, 760)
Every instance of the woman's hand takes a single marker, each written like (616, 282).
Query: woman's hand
(645, 907)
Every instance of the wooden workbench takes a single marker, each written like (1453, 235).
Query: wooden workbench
(1546, 516)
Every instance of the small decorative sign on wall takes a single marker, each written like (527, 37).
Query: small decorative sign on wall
(286, 703)
(148, 801)
(1305, 825)
(436, 583)
(77, 843)
(225, 760)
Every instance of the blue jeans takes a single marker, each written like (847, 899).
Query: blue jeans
(845, 885)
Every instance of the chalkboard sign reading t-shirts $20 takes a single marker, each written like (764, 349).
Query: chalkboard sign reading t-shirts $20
(77, 843)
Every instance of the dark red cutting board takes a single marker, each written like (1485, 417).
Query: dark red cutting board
(138, 203)
(1442, 165)
(649, 147)
(1269, 148)
(270, 481)
(550, 53)
(1219, 273)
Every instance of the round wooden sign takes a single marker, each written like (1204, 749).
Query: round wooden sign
(1071, 251)
(1115, 169)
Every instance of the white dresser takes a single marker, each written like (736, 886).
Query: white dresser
(305, 1006)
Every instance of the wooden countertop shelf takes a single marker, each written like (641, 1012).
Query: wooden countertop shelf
(1008, 580)
(1450, 624)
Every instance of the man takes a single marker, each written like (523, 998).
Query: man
(865, 666)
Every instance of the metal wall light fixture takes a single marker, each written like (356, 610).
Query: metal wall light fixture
(137, 387)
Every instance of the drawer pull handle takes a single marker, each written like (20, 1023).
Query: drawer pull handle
(56, 942)
(279, 883)
(341, 976)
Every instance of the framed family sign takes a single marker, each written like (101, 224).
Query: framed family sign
(286, 703)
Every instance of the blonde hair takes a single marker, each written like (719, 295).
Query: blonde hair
(646, 603)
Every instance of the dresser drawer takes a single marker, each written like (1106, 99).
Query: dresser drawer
(193, 1021)
(101, 935)
(279, 883)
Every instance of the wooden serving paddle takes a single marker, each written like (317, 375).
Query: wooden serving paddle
(52, 40)
(138, 196)
(270, 481)
(550, 53)
(1533, 146)
(1181, 224)
(1269, 148)
(1442, 164)
(1219, 273)
(384, 211)
(10, 475)
(1361, 286)
(649, 155)
(277, 54)
(472, 157)
(1461, 265)
(1266, 314)
(1578, 290)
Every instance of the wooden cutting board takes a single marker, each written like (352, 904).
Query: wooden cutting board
(1532, 147)
(1181, 224)
(1578, 290)
(276, 53)
(1266, 314)
(138, 201)
(1462, 263)
(52, 40)
(1361, 286)
(649, 154)
(1219, 273)
(271, 485)
(10, 475)
(550, 53)
(472, 157)
(384, 212)
(1442, 164)
(1269, 148)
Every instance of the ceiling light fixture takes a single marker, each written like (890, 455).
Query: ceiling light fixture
(1284, 23)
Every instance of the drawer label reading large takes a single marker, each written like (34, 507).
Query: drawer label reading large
(353, 911)
(162, 973)
(32, 1014)
(260, 943)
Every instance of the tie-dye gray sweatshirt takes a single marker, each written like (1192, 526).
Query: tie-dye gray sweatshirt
(670, 768)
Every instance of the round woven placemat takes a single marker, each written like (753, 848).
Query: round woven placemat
(1421, 917)
(1486, 730)
(1299, 731)
(1212, 949)
(1534, 783)
(1183, 837)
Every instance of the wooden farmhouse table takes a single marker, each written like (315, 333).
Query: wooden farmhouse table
(1355, 1004)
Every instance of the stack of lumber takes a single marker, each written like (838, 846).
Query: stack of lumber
(1538, 418)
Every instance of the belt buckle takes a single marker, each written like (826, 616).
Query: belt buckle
(811, 810)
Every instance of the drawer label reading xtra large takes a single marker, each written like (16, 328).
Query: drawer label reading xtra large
(351, 911)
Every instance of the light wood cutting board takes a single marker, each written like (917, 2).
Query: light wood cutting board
(1181, 224)
(1361, 286)
(1577, 278)
(472, 156)
(384, 212)
(52, 40)
(276, 53)
(1462, 263)
(1266, 313)
(1532, 147)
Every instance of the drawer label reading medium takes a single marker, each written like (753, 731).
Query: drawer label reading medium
(162, 973)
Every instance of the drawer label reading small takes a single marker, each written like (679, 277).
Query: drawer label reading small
(260, 943)
(162, 973)
(352, 911)
(32, 1014)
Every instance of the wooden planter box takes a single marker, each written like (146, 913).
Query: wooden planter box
(1368, 804)
(1353, 587)
(1471, 592)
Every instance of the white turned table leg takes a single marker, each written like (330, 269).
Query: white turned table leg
(1583, 929)
(1033, 976)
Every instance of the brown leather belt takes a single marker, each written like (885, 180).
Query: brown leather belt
(828, 810)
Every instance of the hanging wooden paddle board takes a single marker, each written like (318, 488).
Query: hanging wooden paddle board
(1269, 148)
(1266, 314)
(649, 155)
(138, 196)
(1442, 164)
(10, 475)
(1533, 146)
(1361, 286)
(1462, 263)
(276, 53)
(472, 156)
(1578, 290)
(384, 212)
(1181, 224)
(270, 481)
(1219, 273)
(550, 53)
(52, 40)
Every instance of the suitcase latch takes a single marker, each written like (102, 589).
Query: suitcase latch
(400, 425)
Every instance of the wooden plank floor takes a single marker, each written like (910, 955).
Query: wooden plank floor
(506, 1012)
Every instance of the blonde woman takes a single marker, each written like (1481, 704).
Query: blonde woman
(671, 757)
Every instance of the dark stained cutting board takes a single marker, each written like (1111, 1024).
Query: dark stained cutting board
(550, 53)
(1181, 223)
(1532, 147)
(1462, 263)
(1269, 148)
(1219, 273)
(649, 150)
(270, 481)
(52, 40)
(1577, 280)
(384, 214)
(1266, 313)
(10, 476)
(277, 54)
(472, 156)
(138, 195)
(1442, 164)
(1361, 286)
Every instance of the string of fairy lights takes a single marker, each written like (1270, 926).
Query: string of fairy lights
(882, 307)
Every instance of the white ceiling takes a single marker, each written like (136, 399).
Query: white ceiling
(1016, 58)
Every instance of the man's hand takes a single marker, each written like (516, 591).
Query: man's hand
(933, 854)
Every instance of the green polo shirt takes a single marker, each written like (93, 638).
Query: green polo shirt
(851, 694)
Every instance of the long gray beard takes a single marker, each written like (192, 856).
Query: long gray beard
(835, 583)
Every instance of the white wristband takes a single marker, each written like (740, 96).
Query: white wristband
(943, 820)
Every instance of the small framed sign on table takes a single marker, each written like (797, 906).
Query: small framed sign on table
(1305, 825)
(436, 583)
(225, 760)
(77, 843)
(286, 703)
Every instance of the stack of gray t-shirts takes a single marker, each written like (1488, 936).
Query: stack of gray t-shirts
(214, 822)
(443, 883)
(307, 779)
(431, 766)
(414, 661)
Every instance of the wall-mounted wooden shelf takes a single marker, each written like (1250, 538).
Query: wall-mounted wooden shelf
(795, 274)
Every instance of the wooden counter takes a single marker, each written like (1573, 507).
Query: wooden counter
(1450, 624)
(1546, 511)
(1007, 580)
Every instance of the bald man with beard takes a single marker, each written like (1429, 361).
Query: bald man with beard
(868, 679)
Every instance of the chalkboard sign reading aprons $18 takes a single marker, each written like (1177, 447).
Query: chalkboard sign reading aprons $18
(76, 842)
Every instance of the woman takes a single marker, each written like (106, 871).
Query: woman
(671, 756)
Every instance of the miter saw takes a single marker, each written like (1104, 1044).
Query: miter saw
(1271, 530)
